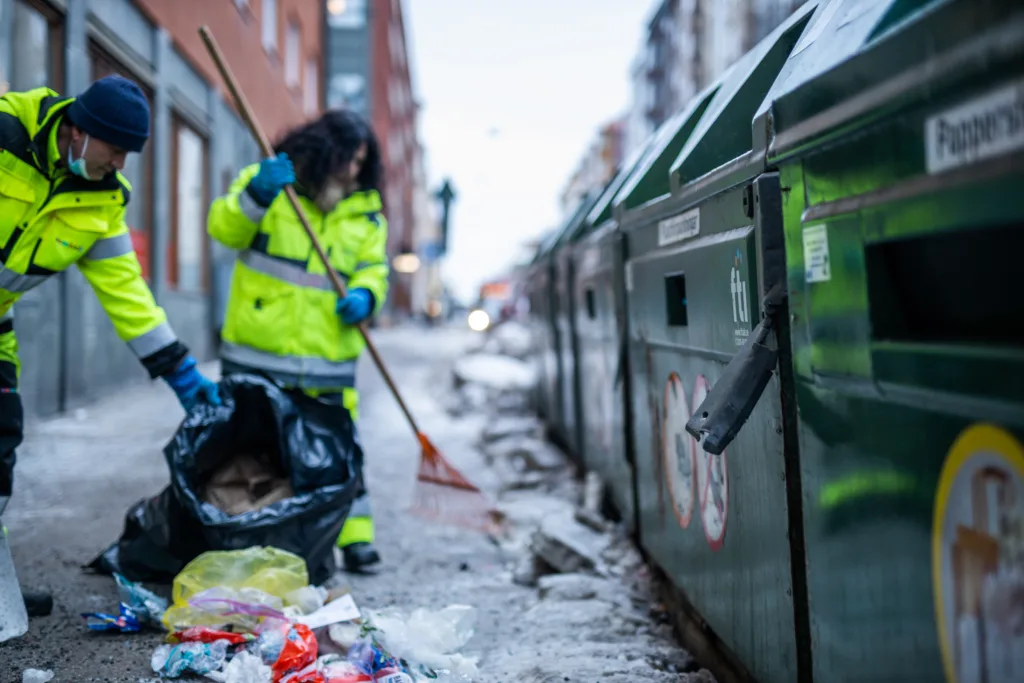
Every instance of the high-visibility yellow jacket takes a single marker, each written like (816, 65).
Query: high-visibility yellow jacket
(50, 219)
(281, 315)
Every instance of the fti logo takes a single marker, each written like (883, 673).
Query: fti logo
(740, 294)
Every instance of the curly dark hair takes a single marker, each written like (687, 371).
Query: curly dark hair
(322, 147)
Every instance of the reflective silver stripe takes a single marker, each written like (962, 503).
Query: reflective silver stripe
(149, 343)
(250, 208)
(110, 247)
(361, 507)
(282, 270)
(14, 281)
(305, 372)
(368, 264)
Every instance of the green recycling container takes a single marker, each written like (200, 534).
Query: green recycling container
(900, 147)
(600, 322)
(565, 325)
(536, 322)
(542, 313)
(705, 247)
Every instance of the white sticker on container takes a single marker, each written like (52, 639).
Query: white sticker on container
(629, 276)
(678, 228)
(982, 128)
(817, 264)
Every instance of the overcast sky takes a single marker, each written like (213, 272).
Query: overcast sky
(513, 92)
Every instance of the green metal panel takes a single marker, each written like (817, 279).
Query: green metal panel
(903, 157)
(650, 180)
(699, 264)
(601, 328)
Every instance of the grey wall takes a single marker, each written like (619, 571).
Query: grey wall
(69, 350)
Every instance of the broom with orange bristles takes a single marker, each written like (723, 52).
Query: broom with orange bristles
(442, 493)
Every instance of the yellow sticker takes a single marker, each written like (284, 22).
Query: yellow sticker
(978, 557)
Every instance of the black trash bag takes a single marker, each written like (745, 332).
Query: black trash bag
(314, 446)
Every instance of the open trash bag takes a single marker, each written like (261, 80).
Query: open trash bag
(267, 468)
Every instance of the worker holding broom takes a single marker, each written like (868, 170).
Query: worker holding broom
(62, 202)
(283, 320)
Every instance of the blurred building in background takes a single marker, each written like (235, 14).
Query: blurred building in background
(367, 70)
(596, 168)
(69, 350)
(686, 45)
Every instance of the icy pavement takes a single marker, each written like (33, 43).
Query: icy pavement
(559, 596)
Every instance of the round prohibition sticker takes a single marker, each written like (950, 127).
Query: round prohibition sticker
(677, 450)
(712, 480)
(978, 557)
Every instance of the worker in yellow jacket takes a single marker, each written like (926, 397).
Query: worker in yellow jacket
(62, 202)
(283, 319)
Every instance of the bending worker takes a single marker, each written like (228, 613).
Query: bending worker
(62, 202)
(282, 318)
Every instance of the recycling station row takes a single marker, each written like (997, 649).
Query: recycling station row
(814, 268)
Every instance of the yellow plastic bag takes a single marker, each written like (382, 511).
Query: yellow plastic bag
(271, 571)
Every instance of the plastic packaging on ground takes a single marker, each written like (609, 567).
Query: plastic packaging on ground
(204, 634)
(288, 649)
(147, 605)
(430, 641)
(13, 617)
(247, 609)
(173, 661)
(126, 622)
(244, 667)
(36, 676)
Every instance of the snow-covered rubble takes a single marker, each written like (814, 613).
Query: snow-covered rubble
(592, 619)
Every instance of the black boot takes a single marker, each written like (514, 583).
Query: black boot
(359, 557)
(38, 604)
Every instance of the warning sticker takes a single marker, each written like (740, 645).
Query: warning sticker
(677, 450)
(678, 228)
(817, 265)
(980, 129)
(712, 480)
(978, 556)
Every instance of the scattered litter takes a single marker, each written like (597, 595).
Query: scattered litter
(147, 605)
(307, 599)
(199, 658)
(126, 622)
(36, 676)
(244, 667)
(342, 609)
(246, 609)
(429, 640)
(203, 634)
(288, 649)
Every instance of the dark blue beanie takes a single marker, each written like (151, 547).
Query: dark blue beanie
(114, 110)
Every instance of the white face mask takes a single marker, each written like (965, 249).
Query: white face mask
(332, 193)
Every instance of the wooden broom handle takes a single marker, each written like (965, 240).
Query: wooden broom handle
(245, 111)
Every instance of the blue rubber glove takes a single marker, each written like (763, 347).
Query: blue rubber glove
(356, 307)
(273, 175)
(191, 386)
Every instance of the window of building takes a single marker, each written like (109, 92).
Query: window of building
(268, 25)
(346, 13)
(187, 255)
(311, 91)
(347, 91)
(138, 168)
(35, 53)
(292, 57)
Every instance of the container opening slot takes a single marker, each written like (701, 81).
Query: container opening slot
(675, 298)
(591, 305)
(961, 287)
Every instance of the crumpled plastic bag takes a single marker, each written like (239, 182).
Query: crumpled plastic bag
(246, 609)
(244, 667)
(259, 576)
(430, 640)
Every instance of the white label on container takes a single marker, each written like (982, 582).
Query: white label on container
(982, 128)
(817, 264)
(679, 227)
(629, 276)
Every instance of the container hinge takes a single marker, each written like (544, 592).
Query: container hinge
(728, 405)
